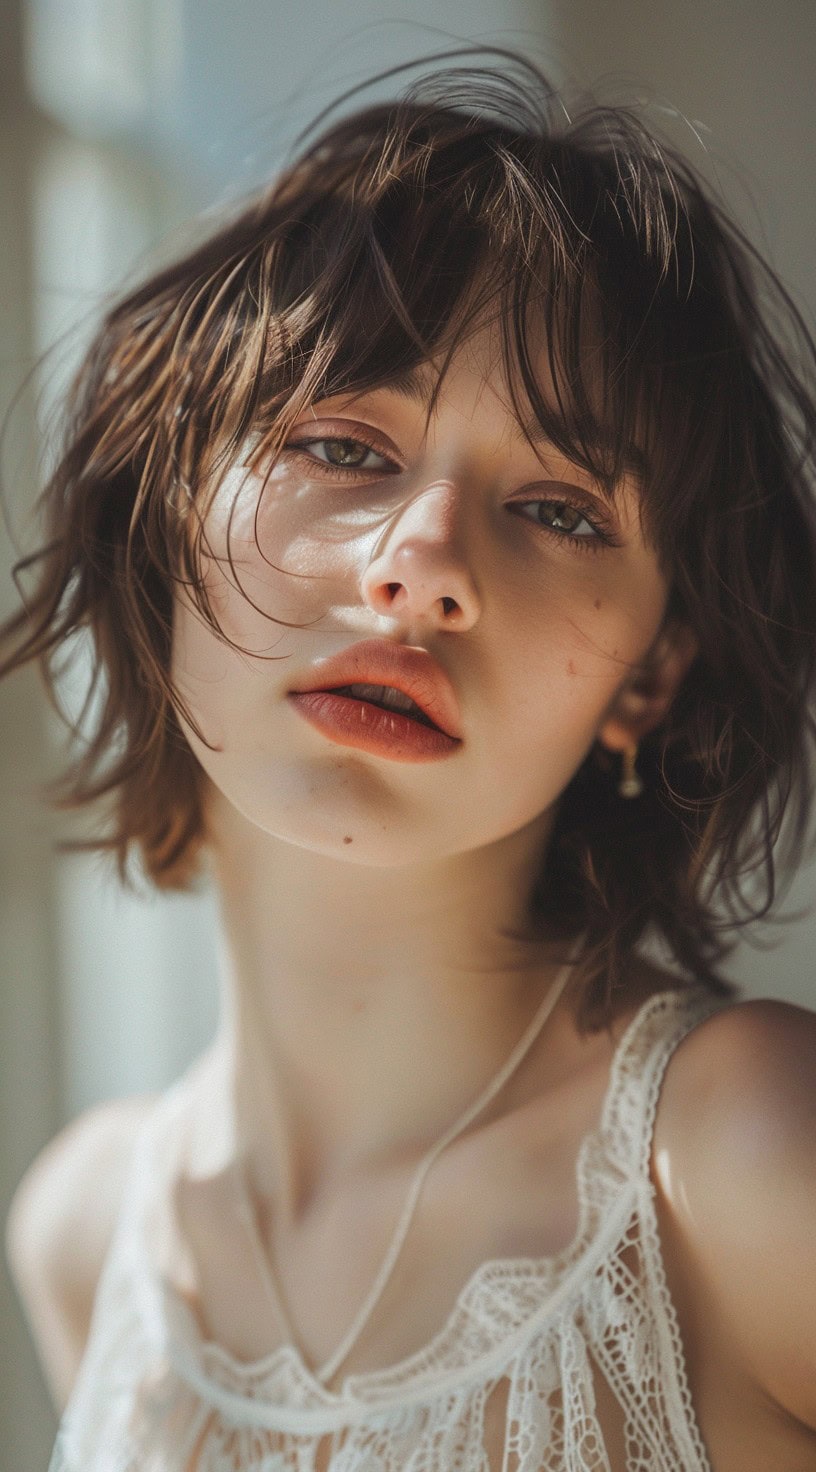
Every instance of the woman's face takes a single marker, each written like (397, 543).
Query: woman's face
(535, 596)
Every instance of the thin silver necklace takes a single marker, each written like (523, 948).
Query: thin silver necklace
(264, 1260)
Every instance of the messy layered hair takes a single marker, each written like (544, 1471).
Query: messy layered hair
(395, 231)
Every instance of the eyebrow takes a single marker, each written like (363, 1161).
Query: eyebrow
(412, 384)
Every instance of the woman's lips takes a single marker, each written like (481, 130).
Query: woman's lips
(367, 727)
(404, 667)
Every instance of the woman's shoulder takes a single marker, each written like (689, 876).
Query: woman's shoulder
(734, 1163)
(753, 1058)
(59, 1228)
(739, 1093)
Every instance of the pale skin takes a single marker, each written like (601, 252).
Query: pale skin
(368, 991)
(364, 899)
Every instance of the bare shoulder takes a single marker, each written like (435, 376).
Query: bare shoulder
(59, 1228)
(734, 1160)
(746, 1076)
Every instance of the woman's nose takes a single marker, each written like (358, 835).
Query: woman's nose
(418, 570)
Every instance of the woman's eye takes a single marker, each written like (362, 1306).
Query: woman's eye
(342, 454)
(559, 516)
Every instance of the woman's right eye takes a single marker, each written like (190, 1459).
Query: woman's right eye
(343, 454)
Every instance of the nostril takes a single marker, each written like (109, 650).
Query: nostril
(393, 589)
(449, 604)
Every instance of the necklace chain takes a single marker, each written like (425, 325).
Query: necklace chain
(264, 1260)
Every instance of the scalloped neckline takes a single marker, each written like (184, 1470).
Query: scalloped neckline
(556, 1272)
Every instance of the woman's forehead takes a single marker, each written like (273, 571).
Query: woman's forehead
(475, 361)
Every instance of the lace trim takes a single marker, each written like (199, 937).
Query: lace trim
(280, 1390)
(504, 1302)
(152, 1394)
(653, 1256)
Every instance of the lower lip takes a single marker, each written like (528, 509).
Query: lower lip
(367, 727)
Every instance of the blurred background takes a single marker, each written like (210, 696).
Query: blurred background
(121, 122)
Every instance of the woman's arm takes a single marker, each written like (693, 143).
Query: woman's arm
(59, 1228)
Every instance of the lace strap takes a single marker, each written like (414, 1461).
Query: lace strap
(144, 1179)
(691, 1011)
(121, 1262)
(640, 1063)
(147, 1164)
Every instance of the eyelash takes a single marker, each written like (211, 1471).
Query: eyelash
(343, 472)
(603, 537)
(581, 542)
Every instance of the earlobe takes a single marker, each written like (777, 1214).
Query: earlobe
(644, 701)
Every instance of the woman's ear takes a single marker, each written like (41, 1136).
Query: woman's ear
(644, 701)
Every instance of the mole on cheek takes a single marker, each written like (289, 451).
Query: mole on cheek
(347, 838)
(597, 603)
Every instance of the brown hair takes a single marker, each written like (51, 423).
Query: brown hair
(385, 241)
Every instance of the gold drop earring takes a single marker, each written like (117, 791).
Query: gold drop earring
(630, 784)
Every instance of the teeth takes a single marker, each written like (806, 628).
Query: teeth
(389, 698)
(384, 695)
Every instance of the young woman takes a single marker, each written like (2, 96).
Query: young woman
(444, 528)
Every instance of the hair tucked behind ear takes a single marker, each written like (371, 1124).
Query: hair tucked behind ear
(672, 352)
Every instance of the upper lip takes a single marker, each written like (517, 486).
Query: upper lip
(402, 666)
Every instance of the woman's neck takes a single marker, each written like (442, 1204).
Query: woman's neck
(364, 1008)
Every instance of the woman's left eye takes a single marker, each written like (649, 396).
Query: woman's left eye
(343, 454)
(561, 517)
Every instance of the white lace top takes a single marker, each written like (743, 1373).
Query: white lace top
(542, 1343)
